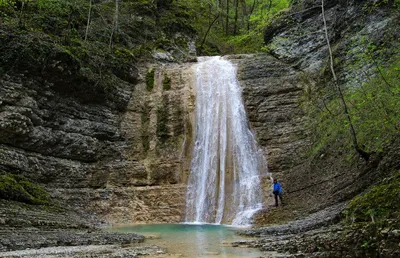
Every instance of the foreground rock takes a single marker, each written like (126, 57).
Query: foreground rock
(333, 241)
(15, 239)
(320, 235)
(325, 217)
(88, 251)
(24, 226)
(74, 142)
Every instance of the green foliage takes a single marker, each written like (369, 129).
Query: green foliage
(370, 6)
(380, 202)
(166, 83)
(251, 39)
(7, 9)
(373, 108)
(34, 30)
(141, 25)
(228, 34)
(150, 80)
(177, 19)
(18, 188)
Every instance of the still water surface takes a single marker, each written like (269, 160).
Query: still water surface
(191, 240)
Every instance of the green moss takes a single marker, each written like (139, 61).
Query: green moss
(162, 121)
(379, 203)
(39, 194)
(18, 188)
(145, 119)
(150, 80)
(179, 122)
(166, 83)
(124, 54)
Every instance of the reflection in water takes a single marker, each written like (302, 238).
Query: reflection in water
(193, 240)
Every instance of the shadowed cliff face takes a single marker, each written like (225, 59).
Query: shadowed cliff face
(362, 34)
(131, 165)
(124, 152)
(74, 147)
(271, 90)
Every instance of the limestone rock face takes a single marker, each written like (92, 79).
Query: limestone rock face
(123, 154)
(271, 92)
(131, 164)
(297, 39)
(137, 138)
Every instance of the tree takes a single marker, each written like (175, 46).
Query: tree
(227, 18)
(353, 134)
(115, 23)
(235, 30)
(88, 20)
(208, 30)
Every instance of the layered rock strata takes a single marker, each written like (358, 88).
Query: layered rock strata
(141, 138)
(362, 35)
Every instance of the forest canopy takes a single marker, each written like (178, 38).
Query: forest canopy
(219, 26)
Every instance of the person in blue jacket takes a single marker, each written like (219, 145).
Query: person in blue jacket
(277, 192)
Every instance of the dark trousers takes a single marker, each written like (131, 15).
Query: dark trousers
(277, 194)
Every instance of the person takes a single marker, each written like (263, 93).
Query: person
(277, 192)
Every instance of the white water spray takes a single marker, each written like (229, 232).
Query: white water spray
(225, 181)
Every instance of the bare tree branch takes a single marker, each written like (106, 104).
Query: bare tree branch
(208, 30)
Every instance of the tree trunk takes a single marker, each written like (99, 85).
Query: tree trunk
(244, 13)
(353, 134)
(21, 14)
(115, 24)
(227, 18)
(116, 14)
(221, 7)
(208, 30)
(88, 20)
(236, 17)
(253, 6)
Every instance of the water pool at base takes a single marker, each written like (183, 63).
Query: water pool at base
(192, 240)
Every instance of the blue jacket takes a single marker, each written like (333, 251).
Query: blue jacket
(277, 187)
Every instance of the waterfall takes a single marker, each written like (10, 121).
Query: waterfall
(225, 180)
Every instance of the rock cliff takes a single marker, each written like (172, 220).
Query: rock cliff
(122, 153)
(126, 164)
(362, 35)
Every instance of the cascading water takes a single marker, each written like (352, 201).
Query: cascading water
(225, 181)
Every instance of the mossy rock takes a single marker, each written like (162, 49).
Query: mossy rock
(150, 80)
(162, 129)
(18, 188)
(166, 83)
(379, 203)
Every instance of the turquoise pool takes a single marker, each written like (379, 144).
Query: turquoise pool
(193, 240)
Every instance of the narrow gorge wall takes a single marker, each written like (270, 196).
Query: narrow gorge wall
(123, 152)
(272, 91)
(363, 35)
(130, 163)
(123, 159)
(148, 184)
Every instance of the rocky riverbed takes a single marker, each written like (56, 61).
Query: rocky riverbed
(323, 234)
(88, 251)
(52, 231)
